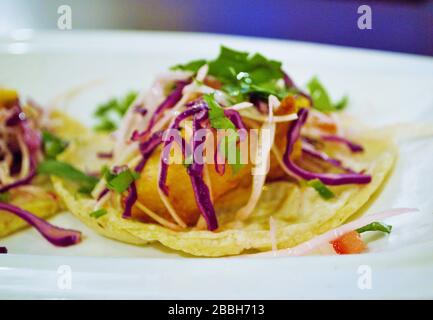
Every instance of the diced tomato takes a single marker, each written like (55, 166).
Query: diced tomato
(213, 82)
(287, 106)
(349, 243)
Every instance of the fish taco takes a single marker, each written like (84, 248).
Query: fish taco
(222, 157)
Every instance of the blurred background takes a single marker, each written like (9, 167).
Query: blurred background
(397, 25)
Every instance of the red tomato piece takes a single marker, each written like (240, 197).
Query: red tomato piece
(349, 243)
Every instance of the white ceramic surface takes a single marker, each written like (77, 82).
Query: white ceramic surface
(384, 88)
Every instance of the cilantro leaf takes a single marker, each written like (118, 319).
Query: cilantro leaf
(243, 74)
(342, 103)
(120, 182)
(110, 113)
(321, 189)
(375, 226)
(66, 171)
(105, 125)
(190, 66)
(218, 120)
(228, 64)
(53, 145)
(4, 197)
(321, 99)
(98, 213)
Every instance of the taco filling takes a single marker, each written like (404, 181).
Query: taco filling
(218, 153)
(26, 194)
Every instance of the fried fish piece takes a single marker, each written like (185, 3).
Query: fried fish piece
(181, 194)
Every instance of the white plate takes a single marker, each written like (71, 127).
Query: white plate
(384, 88)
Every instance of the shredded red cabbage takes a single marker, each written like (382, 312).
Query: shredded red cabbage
(24, 181)
(287, 80)
(201, 190)
(260, 105)
(3, 250)
(354, 147)
(140, 110)
(119, 169)
(204, 203)
(196, 168)
(166, 150)
(55, 235)
(327, 178)
(199, 102)
(130, 200)
(168, 103)
(235, 118)
(102, 193)
(147, 148)
(32, 140)
(311, 151)
(105, 155)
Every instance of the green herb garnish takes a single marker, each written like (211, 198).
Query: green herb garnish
(218, 120)
(53, 145)
(98, 213)
(321, 189)
(375, 226)
(321, 99)
(5, 197)
(120, 182)
(110, 113)
(243, 74)
(66, 171)
(232, 63)
(190, 66)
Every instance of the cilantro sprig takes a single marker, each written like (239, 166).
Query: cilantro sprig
(375, 226)
(321, 98)
(218, 120)
(120, 182)
(4, 197)
(110, 112)
(321, 189)
(98, 213)
(192, 66)
(53, 145)
(66, 171)
(242, 74)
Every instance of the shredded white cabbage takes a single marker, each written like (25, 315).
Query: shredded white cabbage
(259, 171)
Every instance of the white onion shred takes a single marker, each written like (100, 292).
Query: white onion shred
(241, 106)
(255, 115)
(170, 209)
(319, 241)
(202, 73)
(259, 171)
(156, 217)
